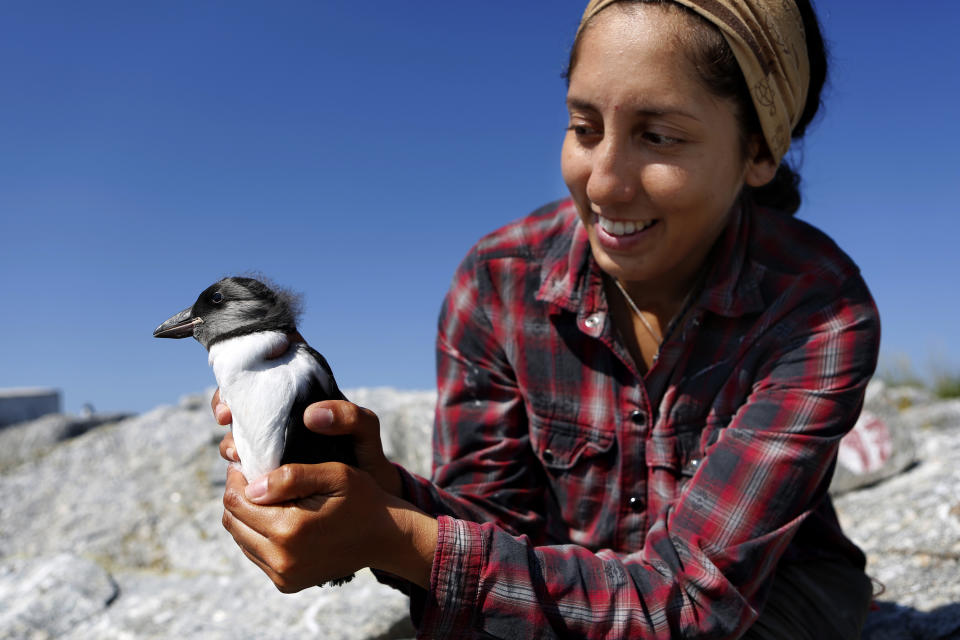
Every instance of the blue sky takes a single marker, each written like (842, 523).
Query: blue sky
(354, 152)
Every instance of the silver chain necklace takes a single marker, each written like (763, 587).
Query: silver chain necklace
(633, 305)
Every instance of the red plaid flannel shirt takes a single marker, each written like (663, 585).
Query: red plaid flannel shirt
(577, 498)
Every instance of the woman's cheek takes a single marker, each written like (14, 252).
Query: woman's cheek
(574, 169)
(668, 186)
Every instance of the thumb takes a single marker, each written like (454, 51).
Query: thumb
(340, 417)
(294, 481)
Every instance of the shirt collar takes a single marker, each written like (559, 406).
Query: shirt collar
(572, 280)
(570, 277)
(732, 287)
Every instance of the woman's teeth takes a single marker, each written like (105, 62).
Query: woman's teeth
(621, 228)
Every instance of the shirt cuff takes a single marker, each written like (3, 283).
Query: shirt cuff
(455, 579)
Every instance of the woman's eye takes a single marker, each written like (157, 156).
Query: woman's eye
(581, 130)
(660, 140)
(217, 298)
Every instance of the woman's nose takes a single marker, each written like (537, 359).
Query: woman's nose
(611, 176)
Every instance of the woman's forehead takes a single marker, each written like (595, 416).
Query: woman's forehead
(637, 56)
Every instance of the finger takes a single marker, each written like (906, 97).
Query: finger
(269, 516)
(221, 412)
(258, 549)
(260, 563)
(253, 544)
(223, 415)
(279, 581)
(235, 483)
(247, 538)
(340, 417)
(259, 519)
(294, 481)
(228, 448)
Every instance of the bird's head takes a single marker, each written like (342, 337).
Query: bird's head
(233, 307)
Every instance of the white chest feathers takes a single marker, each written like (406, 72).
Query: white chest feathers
(261, 393)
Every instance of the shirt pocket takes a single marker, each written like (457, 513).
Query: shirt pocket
(561, 444)
(577, 461)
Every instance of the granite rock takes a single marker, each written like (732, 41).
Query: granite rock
(909, 527)
(881, 444)
(25, 442)
(121, 521)
(135, 505)
(47, 597)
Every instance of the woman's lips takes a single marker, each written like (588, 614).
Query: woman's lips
(623, 235)
(623, 227)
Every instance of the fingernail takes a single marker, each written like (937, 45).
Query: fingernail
(319, 418)
(231, 453)
(257, 488)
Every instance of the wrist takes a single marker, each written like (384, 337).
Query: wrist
(411, 542)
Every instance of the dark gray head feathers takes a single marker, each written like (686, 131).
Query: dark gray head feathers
(234, 307)
(239, 306)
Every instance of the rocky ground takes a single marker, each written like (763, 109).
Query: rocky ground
(110, 528)
(909, 526)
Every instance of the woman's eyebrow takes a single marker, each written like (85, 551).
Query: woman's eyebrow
(577, 103)
(666, 111)
(650, 111)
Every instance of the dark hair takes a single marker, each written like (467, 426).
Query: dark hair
(718, 68)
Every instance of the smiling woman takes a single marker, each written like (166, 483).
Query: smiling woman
(653, 160)
(641, 389)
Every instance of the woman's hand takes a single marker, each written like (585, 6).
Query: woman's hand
(339, 417)
(221, 413)
(332, 417)
(306, 524)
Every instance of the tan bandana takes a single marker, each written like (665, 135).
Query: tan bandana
(768, 40)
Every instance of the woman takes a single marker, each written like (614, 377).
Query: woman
(641, 389)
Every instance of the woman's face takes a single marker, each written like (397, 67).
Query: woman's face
(653, 159)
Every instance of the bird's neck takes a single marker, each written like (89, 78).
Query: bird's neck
(246, 352)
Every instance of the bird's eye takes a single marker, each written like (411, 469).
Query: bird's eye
(217, 298)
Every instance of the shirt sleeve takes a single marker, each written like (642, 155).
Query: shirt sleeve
(707, 560)
(484, 468)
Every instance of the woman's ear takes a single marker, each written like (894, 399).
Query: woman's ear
(761, 167)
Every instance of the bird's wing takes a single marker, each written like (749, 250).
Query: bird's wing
(302, 444)
(324, 376)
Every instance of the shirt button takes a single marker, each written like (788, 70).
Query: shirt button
(592, 321)
(635, 503)
(638, 417)
(548, 455)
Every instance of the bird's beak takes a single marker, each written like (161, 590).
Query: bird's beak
(179, 326)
